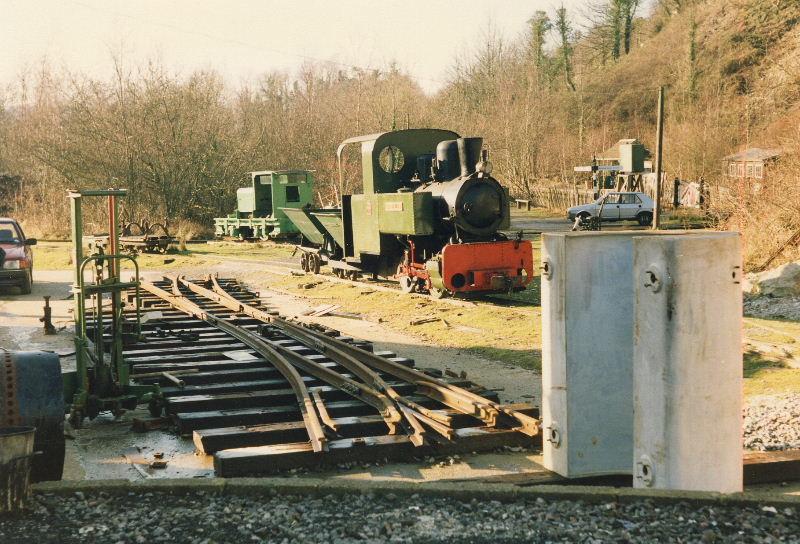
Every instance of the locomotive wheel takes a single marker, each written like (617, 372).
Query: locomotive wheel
(435, 292)
(407, 284)
(304, 262)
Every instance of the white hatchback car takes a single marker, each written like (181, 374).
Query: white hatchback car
(617, 207)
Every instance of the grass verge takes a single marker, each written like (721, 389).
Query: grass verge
(510, 334)
(56, 255)
(772, 348)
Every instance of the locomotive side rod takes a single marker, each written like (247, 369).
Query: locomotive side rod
(313, 426)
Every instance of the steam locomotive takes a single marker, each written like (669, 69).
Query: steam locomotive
(430, 215)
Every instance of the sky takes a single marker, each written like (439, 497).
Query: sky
(245, 39)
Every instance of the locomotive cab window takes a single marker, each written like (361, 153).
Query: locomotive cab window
(391, 159)
(292, 193)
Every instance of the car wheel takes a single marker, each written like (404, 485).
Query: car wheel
(645, 218)
(27, 283)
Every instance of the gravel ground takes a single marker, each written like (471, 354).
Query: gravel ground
(772, 308)
(206, 518)
(772, 423)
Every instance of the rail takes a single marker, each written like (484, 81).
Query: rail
(313, 426)
(453, 396)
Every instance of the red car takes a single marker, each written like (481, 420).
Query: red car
(16, 257)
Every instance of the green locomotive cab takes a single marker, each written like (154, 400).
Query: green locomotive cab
(259, 207)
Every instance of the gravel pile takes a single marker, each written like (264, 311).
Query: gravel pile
(772, 423)
(206, 518)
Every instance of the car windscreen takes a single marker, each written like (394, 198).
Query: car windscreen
(9, 233)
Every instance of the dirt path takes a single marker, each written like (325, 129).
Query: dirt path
(20, 328)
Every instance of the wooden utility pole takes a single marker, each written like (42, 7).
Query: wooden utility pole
(659, 157)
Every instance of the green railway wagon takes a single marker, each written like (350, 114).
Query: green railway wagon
(260, 207)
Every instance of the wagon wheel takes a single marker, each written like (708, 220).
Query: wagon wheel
(152, 228)
(407, 284)
(352, 275)
(315, 263)
(304, 261)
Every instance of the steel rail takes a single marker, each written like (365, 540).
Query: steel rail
(347, 360)
(315, 432)
(456, 397)
(453, 396)
(305, 336)
(412, 411)
(391, 415)
(470, 404)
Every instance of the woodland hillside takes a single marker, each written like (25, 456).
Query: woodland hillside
(544, 103)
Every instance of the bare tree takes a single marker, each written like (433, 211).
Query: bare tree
(565, 33)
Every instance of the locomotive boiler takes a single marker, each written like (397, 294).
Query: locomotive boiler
(430, 215)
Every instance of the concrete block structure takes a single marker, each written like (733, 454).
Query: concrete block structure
(687, 362)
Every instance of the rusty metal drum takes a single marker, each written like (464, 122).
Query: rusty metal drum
(32, 394)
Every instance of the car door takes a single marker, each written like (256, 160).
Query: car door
(629, 206)
(610, 207)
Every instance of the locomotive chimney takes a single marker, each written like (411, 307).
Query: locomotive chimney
(469, 153)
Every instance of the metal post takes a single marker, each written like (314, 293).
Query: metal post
(659, 158)
(120, 370)
(78, 314)
(676, 197)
